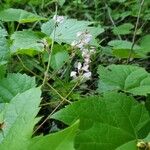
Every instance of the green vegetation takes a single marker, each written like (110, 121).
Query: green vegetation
(74, 75)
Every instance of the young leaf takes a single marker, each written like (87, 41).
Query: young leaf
(132, 79)
(27, 42)
(56, 141)
(19, 120)
(105, 122)
(14, 84)
(19, 15)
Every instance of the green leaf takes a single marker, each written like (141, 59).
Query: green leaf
(145, 44)
(105, 122)
(4, 49)
(123, 29)
(122, 49)
(2, 71)
(132, 145)
(19, 15)
(57, 141)
(14, 84)
(66, 32)
(19, 120)
(27, 42)
(132, 79)
(61, 2)
(59, 59)
(48, 27)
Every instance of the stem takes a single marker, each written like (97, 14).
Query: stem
(135, 31)
(26, 68)
(51, 50)
(112, 21)
(55, 108)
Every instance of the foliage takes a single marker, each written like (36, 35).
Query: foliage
(74, 75)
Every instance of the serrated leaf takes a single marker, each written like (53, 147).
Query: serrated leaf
(123, 29)
(4, 49)
(19, 120)
(105, 122)
(132, 79)
(57, 141)
(122, 49)
(14, 84)
(66, 32)
(19, 15)
(26, 42)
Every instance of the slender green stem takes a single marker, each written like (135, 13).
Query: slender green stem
(50, 51)
(135, 31)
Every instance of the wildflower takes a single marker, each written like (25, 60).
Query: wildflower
(85, 67)
(59, 19)
(73, 74)
(87, 75)
(83, 40)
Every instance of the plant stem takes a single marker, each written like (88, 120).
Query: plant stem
(51, 50)
(135, 30)
(112, 21)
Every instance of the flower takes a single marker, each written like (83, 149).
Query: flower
(73, 74)
(82, 42)
(59, 19)
(87, 75)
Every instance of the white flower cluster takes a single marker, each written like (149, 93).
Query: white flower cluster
(83, 41)
(58, 19)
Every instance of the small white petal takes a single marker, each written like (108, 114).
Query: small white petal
(85, 67)
(79, 65)
(73, 74)
(87, 38)
(87, 75)
(59, 19)
(87, 60)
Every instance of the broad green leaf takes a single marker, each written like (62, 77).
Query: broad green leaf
(106, 122)
(19, 15)
(14, 84)
(4, 49)
(56, 141)
(132, 79)
(123, 29)
(122, 49)
(19, 120)
(27, 42)
(48, 27)
(59, 59)
(66, 32)
(132, 145)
